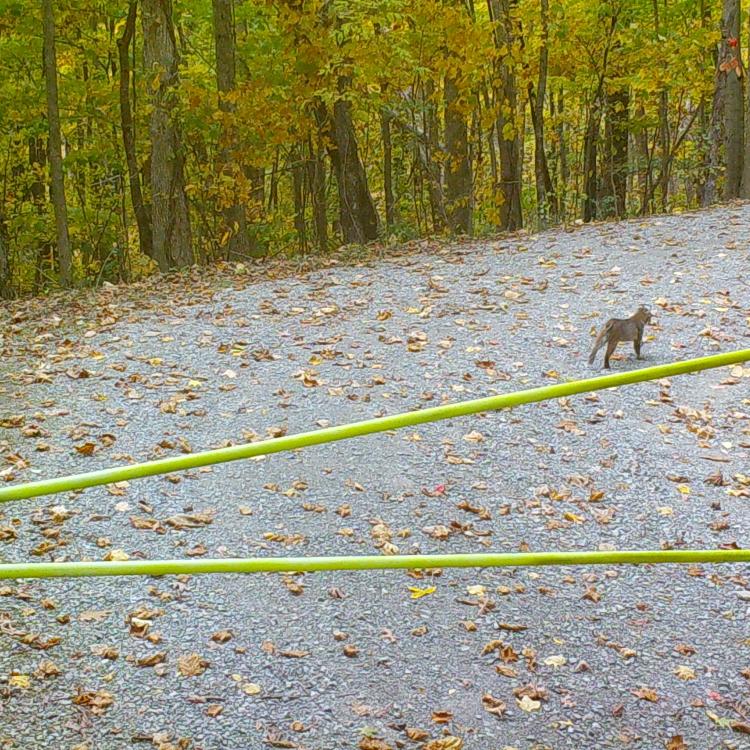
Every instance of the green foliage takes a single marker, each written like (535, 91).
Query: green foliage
(291, 58)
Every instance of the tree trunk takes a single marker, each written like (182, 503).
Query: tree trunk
(359, 221)
(172, 240)
(458, 192)
(141, 210)
(546, 204)
(57, 183)
(745, 186)
(385, 135)
(665, 146)
(615, 183)
(235, 223)
(316, 178)
(6, 274)
(298, 185)
(433, 165)
(508, 136)
(733, 98)
(590, 172)
(564, 171)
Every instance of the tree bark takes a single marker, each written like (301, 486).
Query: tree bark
(316, 178)
(546, 203)
(458, 187)
(665, 140)
(733, 99)
(298, 185)
(172, 241)
(385, 135)
(590, 172)
(562, 139)
(433, 165)
(615, 182)
(359, 221)
(141, 210)
(235, 222)
(54, 145)
(508, 136)
(6, 273)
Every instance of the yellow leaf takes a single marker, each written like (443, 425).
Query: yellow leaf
(417, 593)
(528, 704)
(684, 673)
(683, 489)
(573, 517)
(20, 681)
(116, 555)
(558, 660)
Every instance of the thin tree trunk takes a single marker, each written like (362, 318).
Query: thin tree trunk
(508, 136)
(172, 239)
(619, 109)
(490, 137)
(458, 187)
(235, 223)
(141, 210)
(665, 138)
(733, 98)
(562, 192)
(640, 136)
(316, 177)
(298, 181)
(590, 172)
(591, 139)
(433, 165)
(273, 190)
(545, 192)
(37, 163)
(614, 180)
(57, 182)
(385, 135)
(6, 272)
(359, 221)
(745, 185)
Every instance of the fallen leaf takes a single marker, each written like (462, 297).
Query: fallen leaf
(192, 665)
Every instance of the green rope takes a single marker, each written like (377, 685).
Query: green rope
(367, 427)
(366, 562)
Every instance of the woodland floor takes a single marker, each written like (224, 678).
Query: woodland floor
(627, 657)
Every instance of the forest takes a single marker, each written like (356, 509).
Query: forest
(156, 135)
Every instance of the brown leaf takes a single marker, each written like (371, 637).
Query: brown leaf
(96, 702)
(191, 520)
(445, 743)
(152, 659)
(373, 743)
(106, 652)
(192, 665)
(151, 524)
(676, 743)
(442, 717)
(86, 449)
(646, 694)
(493, 705)
(222, 636)
(47, 668)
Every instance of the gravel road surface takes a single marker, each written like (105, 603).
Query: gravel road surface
(620, 657)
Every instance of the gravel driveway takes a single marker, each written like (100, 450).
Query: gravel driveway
(626, 657)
